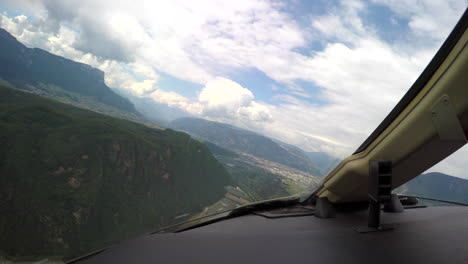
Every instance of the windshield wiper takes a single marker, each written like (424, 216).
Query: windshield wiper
(244, 210)
(433, 199)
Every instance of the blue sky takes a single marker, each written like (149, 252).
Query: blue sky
(316, 74)
(389, 26)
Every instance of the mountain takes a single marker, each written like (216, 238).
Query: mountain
(323, 160)
(241, 140)
(437, 185)
(74, 180)
(49, 75)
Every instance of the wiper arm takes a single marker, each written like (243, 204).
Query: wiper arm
(246, 209)
(433, 199)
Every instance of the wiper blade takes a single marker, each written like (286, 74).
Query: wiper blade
(433, 199)
(265, 205)
(88, 255)
(246, 209)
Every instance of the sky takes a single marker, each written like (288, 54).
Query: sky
(317, 74)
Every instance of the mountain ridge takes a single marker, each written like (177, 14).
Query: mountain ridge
(437, 185)
(235, 138)
(34, 70)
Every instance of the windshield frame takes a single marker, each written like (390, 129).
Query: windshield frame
(422, 80)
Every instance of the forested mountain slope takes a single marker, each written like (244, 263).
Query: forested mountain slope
(74, 180)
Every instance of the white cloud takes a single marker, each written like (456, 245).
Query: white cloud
(191, 40)
(344, 23)
(432, 19)
(143, 88)
(221, 99)
(175, 100)
(226, 100)
(222, 93)
(255, 112)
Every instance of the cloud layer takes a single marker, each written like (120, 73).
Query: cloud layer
(359, 72)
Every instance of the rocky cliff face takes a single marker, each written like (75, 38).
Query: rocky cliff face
(27, 68)
(74, 181)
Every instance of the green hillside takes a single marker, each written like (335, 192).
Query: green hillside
(73, 180)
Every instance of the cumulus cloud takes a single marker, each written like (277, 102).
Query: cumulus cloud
(175, 100)
(222, 95)
(143, 88)
(221, 99)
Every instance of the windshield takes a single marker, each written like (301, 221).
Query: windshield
(119, 118)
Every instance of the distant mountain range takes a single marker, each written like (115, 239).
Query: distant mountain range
(38, 71)
(73, 180)
(322, 160)
(437, 185)
(241, 140)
